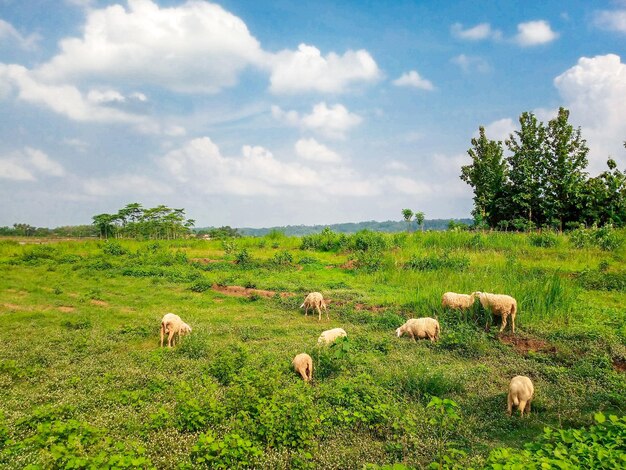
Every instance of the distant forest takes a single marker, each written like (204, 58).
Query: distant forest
(390, 226)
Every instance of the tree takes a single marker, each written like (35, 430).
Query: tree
(104, 222)
(408, 215)
(419, 218)
(487, 175)
(566, 159)
(525, 185)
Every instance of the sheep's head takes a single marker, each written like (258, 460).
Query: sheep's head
(185, 329)
(399, 331)
(476, 294)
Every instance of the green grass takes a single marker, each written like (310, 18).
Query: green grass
(83, 381)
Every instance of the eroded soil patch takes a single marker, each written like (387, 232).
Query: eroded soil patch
(209, 261)
(240, 291)
(619, 364)
(65, 309)
(526, 344)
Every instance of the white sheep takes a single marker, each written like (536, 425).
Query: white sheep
(314, 300)
(303, 365)
(457, 301)
(521, 392)
(173, 325)
(500, 305)
(421, 328)
(330, 336)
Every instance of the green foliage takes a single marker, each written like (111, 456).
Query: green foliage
(601, 446)
(227, 363)
(113, 248)
(232, 451)
(543, 239)
(604, 238)
(197, 407)
(433, 262)
(283, 258)
(327, 240)
(201, 285)
(243, 258)
(598, 280)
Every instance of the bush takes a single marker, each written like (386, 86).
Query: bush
(604, 238)
(601, 446)
(227, 363)
(201, 285)
(366, 240)
(197, 407)
(243, 258)
(543, 239)
(598, 280)
(232, 451)
(282, 258)
(435, 262)
(113, 248)
(327, 240)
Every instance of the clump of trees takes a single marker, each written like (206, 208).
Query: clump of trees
(27, 230)
(133, 221)
(542, 181)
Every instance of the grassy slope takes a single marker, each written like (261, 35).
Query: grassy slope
(78, 332)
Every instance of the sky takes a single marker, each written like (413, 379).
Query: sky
(256, 114)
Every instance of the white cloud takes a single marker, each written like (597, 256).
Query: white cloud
(195, 47)
(500, 129)
(78, 144)
(611, 20)
(333, 122)
(534, 33)
(594, 90)
(62, 99)
(124, 184)
(471, 63)
(7, 31)
(25, 164)
(395, 165)
(311, 149)
(413, 79)
(307, 70)
(477, 33)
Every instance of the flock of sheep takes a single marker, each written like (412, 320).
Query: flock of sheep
(521, 388)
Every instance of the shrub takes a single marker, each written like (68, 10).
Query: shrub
(601, 446)
(543, 239)
(227, 363)
(366, 240)
(435, 262)
(232, 451)
(598, 280)
(201, 285)
(282, 258)
(243, 258)
(114, 248)
(604, 238)
(327, 240)
(197, 407)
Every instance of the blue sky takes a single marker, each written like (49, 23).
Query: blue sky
(250, 113)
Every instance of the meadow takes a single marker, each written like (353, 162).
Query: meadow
(84, 383)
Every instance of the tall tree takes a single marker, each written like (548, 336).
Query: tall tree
(526, 179)
(565, 162)
(487, 176)
(419, 218)
(408, 215)
(105, 225)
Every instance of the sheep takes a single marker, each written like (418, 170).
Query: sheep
(172, 324)
(457, 301)
(501, 305)
(330, 336)
(421, 328)
(303, 365)
(314, 300)
(521, 392)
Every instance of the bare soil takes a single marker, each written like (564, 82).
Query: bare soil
(526, 344)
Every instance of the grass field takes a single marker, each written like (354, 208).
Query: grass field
(84, 383)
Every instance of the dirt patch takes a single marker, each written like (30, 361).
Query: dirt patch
(619, 364)
(239, 291)
(209, 261)
(350, 264)
(370, 308)
(13, 307)
(526, 344)
(100, 303)
(65, 309)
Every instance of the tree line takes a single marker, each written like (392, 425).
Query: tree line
(133, 221)
(542, 182)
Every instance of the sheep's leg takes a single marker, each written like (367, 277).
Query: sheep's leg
(319, 313)
(170, 338)
(303, 374)
(306, 310)
(412, 336)
(504, 318)
(528, 408)
(513, 323)
(509, 408)
(162, 333)
(522, 405)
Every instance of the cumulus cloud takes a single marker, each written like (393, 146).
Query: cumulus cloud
(311, 149)
(194, 47)
(333, 122)
(395, 165)
(307, 70)
(614, 20)
(12, 35)
(477, 33)
(413, 79)
(471, 63)
(534, 33)
(500, 129)
(594, 90)
(24, 165)
(124, 184)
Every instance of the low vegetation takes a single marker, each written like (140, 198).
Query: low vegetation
(85, 384)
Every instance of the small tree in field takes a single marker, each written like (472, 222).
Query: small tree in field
(408, 215)
(419, 218)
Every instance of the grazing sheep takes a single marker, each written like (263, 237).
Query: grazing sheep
(521, 392)
(421, 328)
(303, 365)
(172, 324)
(457, 301)
(501, 305)
(314, 301)
(330, 336)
